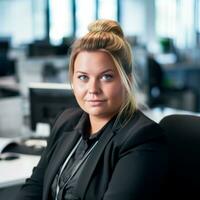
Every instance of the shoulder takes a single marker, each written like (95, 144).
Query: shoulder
(68, 117)
(140, 130)
(141, 123)
(67, 120)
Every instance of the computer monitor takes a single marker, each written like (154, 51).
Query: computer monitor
(47, 100)
(5, 45)
(7, 67)
(44, 48)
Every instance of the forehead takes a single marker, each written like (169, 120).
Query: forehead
(93, 60)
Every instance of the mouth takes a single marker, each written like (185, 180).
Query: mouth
(95, 102)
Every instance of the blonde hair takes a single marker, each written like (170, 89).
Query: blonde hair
(107, 35)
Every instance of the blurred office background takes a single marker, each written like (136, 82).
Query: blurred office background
(35, 36)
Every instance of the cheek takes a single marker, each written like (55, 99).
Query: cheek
(117, 92)
(79, 90)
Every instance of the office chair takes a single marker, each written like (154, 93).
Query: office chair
(183, 137)
(162, 95)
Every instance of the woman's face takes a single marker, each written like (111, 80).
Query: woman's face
(97, 84)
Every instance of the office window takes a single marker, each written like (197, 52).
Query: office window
(175, 19)
(85, 13)
(60, 20)
(107, 9)
(185, 24)
(22, 20)
(132, 17)
(197, 15)
(166, 18)
(197, 22)
(39, 19)
(16, 21)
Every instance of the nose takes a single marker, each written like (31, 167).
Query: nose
(94, 87)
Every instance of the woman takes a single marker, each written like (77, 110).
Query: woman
(107, 149)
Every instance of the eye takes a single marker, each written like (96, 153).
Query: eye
(107, 77)
(83, 77)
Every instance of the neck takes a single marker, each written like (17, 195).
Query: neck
(97, 124)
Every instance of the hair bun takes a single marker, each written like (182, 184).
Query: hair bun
(105, 25)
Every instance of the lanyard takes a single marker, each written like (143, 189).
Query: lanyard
(75, 168)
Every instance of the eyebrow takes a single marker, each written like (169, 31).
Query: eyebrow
(103, 72)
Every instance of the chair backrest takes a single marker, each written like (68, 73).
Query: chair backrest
(183, 136)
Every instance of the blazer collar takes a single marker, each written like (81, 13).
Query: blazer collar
(92, 161)
(83, 124)
(64, 146)
(95, 155)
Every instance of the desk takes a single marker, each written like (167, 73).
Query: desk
(14, 172)
(9, 82)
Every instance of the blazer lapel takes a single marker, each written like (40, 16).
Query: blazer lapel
(92, 161)
(63, 149)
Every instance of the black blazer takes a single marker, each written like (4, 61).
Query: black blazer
(128, 162)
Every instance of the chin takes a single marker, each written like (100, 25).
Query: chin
(96, 112)
(102, 115)
(93, 113)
